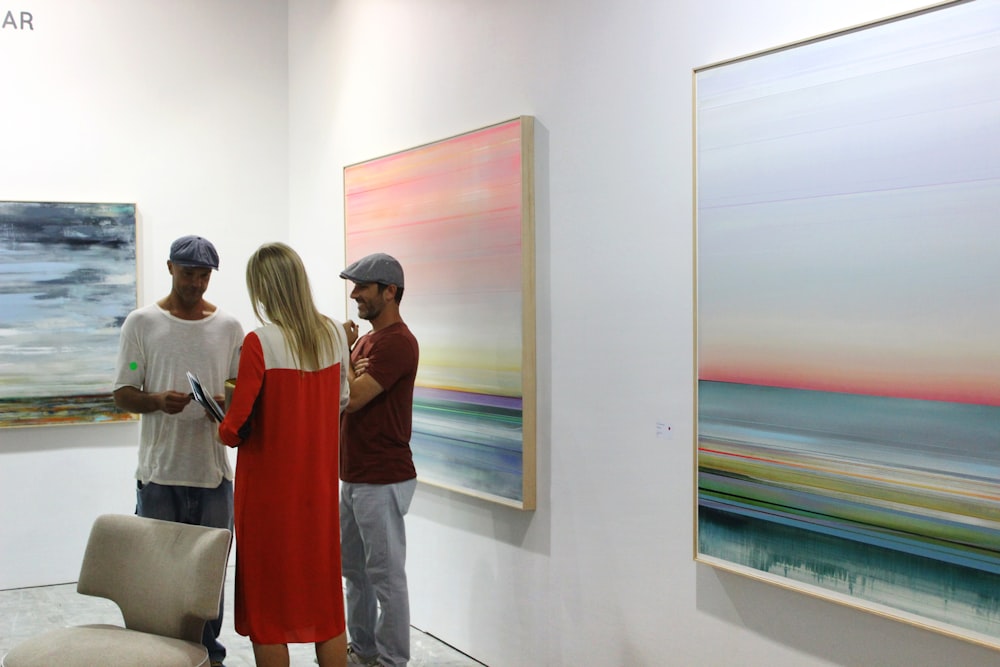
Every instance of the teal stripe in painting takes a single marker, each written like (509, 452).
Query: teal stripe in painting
(894, 501)
(468, 445)
(959, 596)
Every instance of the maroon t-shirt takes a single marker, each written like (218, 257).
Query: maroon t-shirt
(375, 440)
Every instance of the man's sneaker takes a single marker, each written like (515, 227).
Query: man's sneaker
(353, 658)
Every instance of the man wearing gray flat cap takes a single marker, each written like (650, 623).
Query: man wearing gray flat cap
(183, 473)
(376, 466)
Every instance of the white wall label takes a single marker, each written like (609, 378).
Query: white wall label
(664, 430)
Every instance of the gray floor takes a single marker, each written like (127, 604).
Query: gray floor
(25, 612)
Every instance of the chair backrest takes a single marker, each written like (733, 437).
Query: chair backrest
(166, 577)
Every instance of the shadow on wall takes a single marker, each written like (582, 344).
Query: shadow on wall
(829, 631)
(466, 513)
(35, 439)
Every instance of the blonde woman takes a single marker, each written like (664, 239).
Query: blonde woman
(284, 418)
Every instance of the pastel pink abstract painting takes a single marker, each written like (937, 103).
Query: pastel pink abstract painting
(457, 215)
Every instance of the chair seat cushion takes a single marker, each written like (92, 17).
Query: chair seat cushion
(107, 646)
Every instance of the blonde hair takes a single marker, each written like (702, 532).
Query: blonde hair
(280, 293)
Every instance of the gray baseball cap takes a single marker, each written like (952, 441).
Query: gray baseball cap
(194, 251)
(377, 268)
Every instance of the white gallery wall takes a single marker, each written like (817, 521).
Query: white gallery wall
(602, 572)
(179, 107)
(235, 118)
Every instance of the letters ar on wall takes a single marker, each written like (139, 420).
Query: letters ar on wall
(67, 282)
(458, 215)
(17, 21)
(848, 318)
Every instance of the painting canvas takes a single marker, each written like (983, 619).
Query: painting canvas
(67, 282)
(457, 214)
(848, 275)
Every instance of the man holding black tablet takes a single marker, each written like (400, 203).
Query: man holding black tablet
(183, 473)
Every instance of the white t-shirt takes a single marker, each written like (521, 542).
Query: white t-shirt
(155, 354)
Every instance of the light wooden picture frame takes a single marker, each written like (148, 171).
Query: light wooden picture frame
(459, 216)
(847, 263)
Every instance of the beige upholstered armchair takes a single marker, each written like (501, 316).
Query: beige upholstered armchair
(167, 580)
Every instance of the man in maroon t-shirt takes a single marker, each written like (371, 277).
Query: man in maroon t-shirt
(376, 466)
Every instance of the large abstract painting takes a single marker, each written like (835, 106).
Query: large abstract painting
(848, 317)
(458, 214)
(67, 281)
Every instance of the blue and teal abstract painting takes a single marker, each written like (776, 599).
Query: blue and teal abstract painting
(67, 281)
(848, 317)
